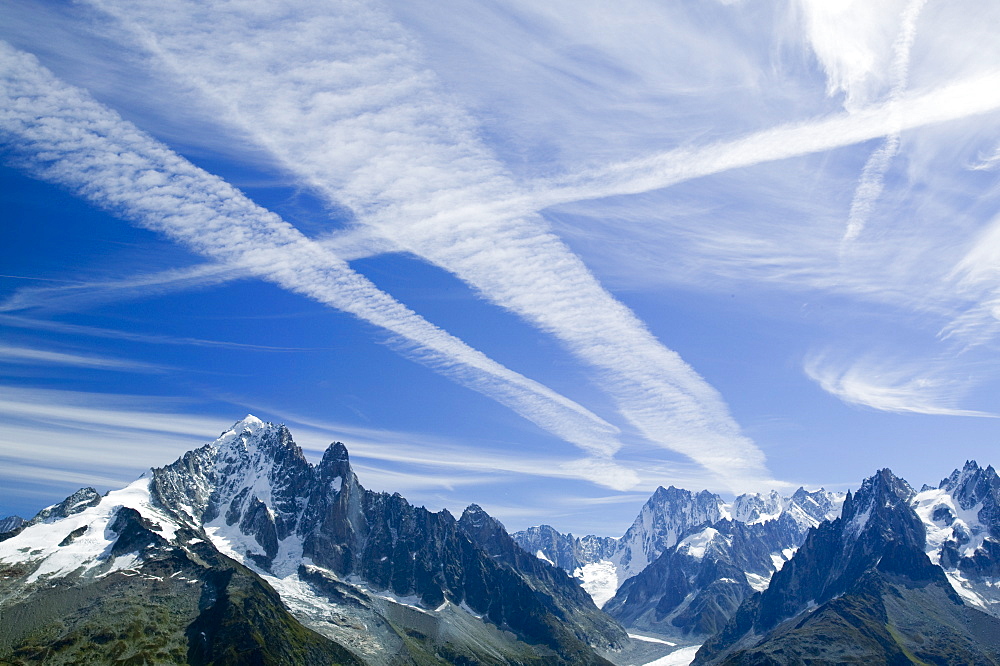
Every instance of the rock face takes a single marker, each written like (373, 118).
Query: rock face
(666, 517)
(566, 551)
(860, 589)
(694, 587)
(9, 524)
(563, 593)
(689, 559)
(962, 519)
(254, 529)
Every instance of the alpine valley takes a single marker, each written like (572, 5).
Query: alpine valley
(244, 552)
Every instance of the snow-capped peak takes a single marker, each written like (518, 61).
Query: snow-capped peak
(246, 428)
(753, 508)
(695, 544)
(807, 508)
(960, 518)
(970, 485)
(81, 541)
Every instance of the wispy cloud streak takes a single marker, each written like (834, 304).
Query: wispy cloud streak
(84, 293)
(114, 437)
(31, 356)
(341, 100)
(65, 137)
(29, 323)
(961, 99)
(873, 175)
(902, 388)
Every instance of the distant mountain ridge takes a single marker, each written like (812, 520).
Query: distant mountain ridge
(10, 523)
(962, 520)
(688, 559)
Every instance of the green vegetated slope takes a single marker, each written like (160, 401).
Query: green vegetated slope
(170, 610)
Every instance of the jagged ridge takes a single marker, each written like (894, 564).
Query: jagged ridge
(316, 536)
(861, 588)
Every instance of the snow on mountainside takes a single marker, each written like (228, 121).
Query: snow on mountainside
(962, 520)
(860, 589)
(667, 517)
(80, 542)
(391, 582)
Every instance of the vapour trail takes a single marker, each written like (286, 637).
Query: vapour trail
(962, 99)
(873, 174)
(338, 95)
(66, 137)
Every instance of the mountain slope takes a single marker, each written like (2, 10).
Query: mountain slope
(962, 519)
(694, 587)
(9, 524)
(860, 589)
(563, 594)
(111, 583)
(249, 515)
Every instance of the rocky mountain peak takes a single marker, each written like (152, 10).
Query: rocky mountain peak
(10, 523)
(475, 516)
(336, 461)
(856, 575)
(755, 507)
(334, 473)
(883, 490)
(79, 501)
(488, 532)
(257, 439)
(972, 484)
(248, 426)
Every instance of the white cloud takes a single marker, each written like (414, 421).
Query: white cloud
(987, 163)
(29, 323)
(101, 413)
(84, 293)
(342, 99)
(853, 41)
(873, 174)
(453, 463)
(960, 99)
(107, 440)
(32, 356)
(927, 388)
(64, 136)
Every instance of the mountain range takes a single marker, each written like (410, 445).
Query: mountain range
(688, 559)
(254, 555)
(866, 588)
(244, 552)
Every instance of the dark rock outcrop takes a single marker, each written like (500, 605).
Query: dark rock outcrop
(860, 589)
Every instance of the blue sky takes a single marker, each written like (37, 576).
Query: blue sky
(542, 258)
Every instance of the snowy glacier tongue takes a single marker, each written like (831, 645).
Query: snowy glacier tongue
(599, 579)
